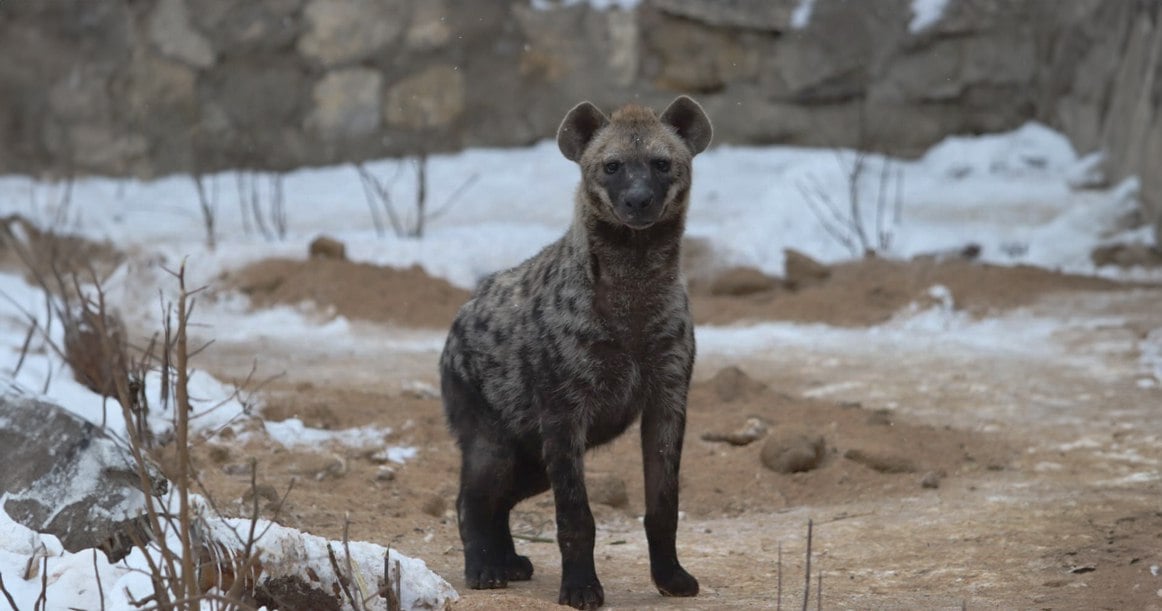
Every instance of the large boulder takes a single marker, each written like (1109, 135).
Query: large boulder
(66, 476)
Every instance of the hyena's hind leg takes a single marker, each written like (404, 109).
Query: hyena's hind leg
(494, 477)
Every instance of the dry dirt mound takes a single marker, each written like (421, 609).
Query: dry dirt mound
(869, 291)
(408, 297)
(856, 293)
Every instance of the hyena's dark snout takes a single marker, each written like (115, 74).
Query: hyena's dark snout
(638, 207)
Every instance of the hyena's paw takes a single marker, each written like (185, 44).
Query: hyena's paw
(676, 583)
(487, 577)
(585, 595)
(519, 568)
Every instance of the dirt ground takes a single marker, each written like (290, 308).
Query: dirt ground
(952, 477)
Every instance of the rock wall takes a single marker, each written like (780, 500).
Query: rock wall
(147, 87)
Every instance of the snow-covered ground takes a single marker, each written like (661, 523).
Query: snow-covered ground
(1007, 193)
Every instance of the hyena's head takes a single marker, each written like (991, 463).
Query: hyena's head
(635, 166)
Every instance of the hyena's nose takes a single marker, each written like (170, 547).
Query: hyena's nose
(638, 199)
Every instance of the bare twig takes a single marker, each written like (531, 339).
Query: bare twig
(779, 579)
(181, 431)
(42, 600)
(412, 225)
(807, 579)
(373, 189)
(357, 600)
(389, 589)
(7, 594)
(97, 575)
(277, 206)
(209, 211)
(339, 574)
(819, 592)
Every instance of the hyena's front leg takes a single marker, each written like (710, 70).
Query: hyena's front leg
(663, 425)
(564, 453)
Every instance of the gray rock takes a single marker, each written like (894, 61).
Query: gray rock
(249, 27)
(733, 384)
(347, 31)
(172, 33)
(793, 451)
(774, 15)
(429, 27)
(431, 98)
(884, 461)
(347, 104)
(64, 476)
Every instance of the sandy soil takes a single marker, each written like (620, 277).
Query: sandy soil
(1042, 471)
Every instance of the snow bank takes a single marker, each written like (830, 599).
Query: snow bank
(72, 578)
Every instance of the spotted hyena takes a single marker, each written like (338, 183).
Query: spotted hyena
(565, 351)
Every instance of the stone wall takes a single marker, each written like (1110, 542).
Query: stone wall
(147, 87)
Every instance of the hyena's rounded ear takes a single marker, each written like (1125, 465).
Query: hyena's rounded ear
(578, 129)
(690, 121)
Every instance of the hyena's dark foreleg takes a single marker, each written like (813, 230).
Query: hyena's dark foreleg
(494, 475)
(483, 518)
(564, 453)
(663, 426)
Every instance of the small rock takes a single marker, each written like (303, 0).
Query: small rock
(931, 480)
(261, 491)
(753, 430)
(385, 474)
(336, 467)
(324, 247)
(319, 466)
(732, 384)
(1126, 255)
(739, 281)
(802, 271)
(881, 461)
(219, 454)
(434, 505)
(238, 468)
(793, 451)
(607, 490)
(880, 417)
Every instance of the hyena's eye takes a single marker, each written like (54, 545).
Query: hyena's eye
(612, 167)
(662, 165)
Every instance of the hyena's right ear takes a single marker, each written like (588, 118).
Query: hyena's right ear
(578, 129)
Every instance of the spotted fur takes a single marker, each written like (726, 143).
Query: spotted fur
(565, 351)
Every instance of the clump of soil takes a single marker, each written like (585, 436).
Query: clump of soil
(870, 290)
(408, 297)
(857, 293)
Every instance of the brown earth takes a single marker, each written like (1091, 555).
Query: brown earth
(407, 297)
(950, 477)
(859, 293)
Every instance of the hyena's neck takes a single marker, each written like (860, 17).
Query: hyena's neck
(616, 252)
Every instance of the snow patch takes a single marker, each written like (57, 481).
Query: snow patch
(601, 5)
(925, 13)
(801, 16)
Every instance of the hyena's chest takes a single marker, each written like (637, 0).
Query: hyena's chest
(644, 349)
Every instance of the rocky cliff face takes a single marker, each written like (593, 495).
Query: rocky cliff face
(147, 87)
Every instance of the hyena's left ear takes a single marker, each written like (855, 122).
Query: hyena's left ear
(578, 129)
(690, 121)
